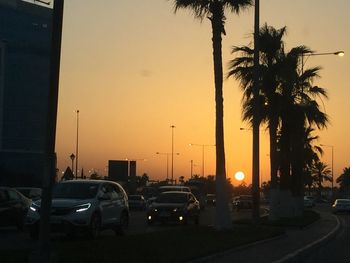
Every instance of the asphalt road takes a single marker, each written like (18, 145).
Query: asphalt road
(337, 249)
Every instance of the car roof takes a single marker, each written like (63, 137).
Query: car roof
(175, 192)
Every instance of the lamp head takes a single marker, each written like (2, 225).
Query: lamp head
(339, 53)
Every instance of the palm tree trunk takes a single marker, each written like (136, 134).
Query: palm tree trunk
(223, 220)
(256, 121)
(274, 194)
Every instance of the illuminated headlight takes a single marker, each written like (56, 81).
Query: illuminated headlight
(175, 209)
(82, 208)
(155, 210)
(181, 218)
(149, 217)
(34, 207)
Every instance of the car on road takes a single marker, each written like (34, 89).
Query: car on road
(210, 199)
(137, 202)
(167, 188)
(174, 206)
(242, 202)
(13, 207)
(32, 193)
(341, 205)
(90, 205)
(309, 201)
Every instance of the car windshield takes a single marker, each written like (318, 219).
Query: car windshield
(75, 190)
(342, 201)
(134, 197)
(172, 198)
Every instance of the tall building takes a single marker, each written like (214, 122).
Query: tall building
(25, 42)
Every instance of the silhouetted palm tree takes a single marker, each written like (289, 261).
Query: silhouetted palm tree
(299, 110)
(312, 155)
(214, 10)
(320, 173)
(242, 68)
(344, 181)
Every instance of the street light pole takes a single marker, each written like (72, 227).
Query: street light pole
(202, 145)
(77, 146)
(331, 146)
(72, 157)
(309, 54)
(172, 153)
(167, 163)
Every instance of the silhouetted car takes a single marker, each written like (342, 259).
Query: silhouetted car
(13, 207)
(90, 205)
(30, 192)
(210, 199)
(341, 205)
(242, 202)
(309, 201)
(174, 206)
(137, 202)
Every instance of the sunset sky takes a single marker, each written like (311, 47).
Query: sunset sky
(133, 68)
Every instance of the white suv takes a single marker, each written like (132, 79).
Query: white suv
(90, 205)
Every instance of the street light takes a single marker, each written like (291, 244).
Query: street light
(309, 54)
(202, 145)
(77, 146)
(172, 153)
(331, 146)
(167, 163)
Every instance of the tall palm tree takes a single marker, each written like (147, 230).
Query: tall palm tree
(300, 109)
(242, 68)
(321, 172)
(214, 10)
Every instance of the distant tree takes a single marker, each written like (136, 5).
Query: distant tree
(320, 173)
(344, 181)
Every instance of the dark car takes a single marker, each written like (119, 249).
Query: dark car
(13, 207)
(242, 202)
(32, 193)
(210, 199)
(174, 206)
(137, 202)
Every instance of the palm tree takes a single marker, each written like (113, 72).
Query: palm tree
(300, 109)
(214, 10)
(344, 181)
(312, 155)
(321, 172)
(242, 68)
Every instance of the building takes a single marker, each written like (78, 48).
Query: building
(25, 41)
(121, 170)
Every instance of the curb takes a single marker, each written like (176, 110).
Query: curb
(298, 255)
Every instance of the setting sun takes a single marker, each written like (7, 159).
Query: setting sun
(239, 176)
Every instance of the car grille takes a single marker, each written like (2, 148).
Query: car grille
(59, 211)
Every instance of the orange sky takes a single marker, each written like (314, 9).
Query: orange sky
(133, 69)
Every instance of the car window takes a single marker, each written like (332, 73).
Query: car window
(171, 198)
(13, 196)
(84, 190)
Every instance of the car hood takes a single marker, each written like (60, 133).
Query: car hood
(168, 205)
(66, 202)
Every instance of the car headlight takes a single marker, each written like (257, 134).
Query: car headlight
(34, 207)
(82, 208)
(175, 209)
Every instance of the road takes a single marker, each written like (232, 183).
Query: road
(336, 250)
(11, 238)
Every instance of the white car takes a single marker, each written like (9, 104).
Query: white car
(90, 205)
(341, 205)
